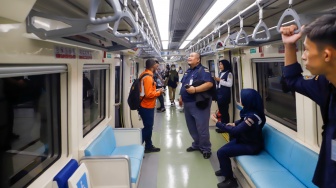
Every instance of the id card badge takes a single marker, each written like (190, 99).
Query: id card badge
(333, 150)
(191, 81)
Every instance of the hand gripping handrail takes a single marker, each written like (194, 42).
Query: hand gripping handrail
(241, 33)
(261, 24)
(290, 12)
(126, 13)
(94, 4)
(228, 40)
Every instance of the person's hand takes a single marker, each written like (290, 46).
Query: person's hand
(231, 124)
(288, 35)
(180, 101)
(214, 118)
(191, 90)
(217, 78)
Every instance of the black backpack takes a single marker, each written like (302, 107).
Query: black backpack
(212, 91)
(134, 100)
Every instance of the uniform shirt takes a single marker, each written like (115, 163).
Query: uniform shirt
(148, 89)
(189, 77)
(320, 90)
(223, 82)
(247, 130)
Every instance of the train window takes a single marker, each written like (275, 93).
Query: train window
(212, 67)
(237, 74)
(30, 103)
(94, 96)
(279, 100)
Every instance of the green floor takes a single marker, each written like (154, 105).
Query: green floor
(176, 167)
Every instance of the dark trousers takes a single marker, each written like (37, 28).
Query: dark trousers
(161, 100)
(233, 149)
(224, 110)
(198, 125)
(147, 116)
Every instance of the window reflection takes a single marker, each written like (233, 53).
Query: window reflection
(29, 127)
(279, 100)
(93, 98)
(236, 79)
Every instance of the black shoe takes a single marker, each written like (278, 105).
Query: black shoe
(153, 149)
(228, 183)
(206, 155)
(190, 149)
(220, 131)
(218, 173)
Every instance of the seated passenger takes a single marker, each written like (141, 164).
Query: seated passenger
(246, 133)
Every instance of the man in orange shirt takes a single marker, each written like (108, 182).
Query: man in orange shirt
(148, 94)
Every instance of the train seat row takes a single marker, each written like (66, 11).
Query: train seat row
(283, 162)
(113, 159)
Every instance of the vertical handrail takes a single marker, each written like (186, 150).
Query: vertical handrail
(290, 12)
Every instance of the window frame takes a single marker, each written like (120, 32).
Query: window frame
(15, 70)
(104, 94)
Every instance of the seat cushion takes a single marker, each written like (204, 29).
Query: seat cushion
(135, 169)
(132, 151)
(277, 179)
(259, 163)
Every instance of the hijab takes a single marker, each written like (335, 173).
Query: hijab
(252, 104)
(226, 64)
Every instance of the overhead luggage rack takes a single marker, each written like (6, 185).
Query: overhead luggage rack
(109, 24)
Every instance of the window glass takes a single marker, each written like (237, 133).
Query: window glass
(212, 67)
(236, 80)
(278, 99)
(94, 98)
(29, 127)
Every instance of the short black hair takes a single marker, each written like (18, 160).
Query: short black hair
(150, 63)
(322, 31)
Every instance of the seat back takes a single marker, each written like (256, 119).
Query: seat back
(62, 177)
(278, 145)
(80, 178)
(103, 145)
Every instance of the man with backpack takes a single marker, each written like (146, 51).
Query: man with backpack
(148, 95)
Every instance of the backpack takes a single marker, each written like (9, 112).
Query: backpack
(134, 100)
(212, 91)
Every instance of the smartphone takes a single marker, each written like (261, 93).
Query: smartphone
(187, 86)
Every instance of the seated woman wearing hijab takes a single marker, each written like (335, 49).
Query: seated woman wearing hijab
(246, 133)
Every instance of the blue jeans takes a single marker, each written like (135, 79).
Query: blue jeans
(147, 116)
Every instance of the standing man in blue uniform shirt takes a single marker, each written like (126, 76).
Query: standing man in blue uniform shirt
(320, 60)
(197, 118)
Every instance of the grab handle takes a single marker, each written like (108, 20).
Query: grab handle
(241, 33)
(261, 24)
(94, 9)
(290, 12)
(135, 28)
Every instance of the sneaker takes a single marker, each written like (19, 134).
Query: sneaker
(163, 109)
(153, 149)
(206, 155)
(228, 183)
(190, 149)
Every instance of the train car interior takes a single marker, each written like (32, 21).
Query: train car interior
(67, 68)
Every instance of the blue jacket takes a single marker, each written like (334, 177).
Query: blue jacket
(320, 90)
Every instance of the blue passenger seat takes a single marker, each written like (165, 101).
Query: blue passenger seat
(62, 177)
(283, 162)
